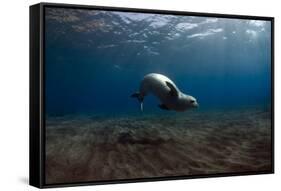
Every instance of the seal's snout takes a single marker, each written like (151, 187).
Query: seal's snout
(194, 103)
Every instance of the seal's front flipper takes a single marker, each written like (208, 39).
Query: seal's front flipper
(164, 107)
(173, 90)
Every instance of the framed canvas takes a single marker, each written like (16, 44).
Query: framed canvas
(127, 95)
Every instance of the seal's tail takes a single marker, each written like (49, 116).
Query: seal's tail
(140, 98)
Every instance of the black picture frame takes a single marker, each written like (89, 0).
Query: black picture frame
(37, 104)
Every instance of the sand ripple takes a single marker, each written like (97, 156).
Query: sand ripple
(90, 149)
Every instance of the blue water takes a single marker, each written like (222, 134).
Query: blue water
(94, 60)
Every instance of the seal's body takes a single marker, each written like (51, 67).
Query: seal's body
(166, 91)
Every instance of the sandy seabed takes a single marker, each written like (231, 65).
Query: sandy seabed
(91, 148)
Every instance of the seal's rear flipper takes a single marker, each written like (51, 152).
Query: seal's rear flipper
(135, 94)
(162, 106)
(140, 98)
(141, 106)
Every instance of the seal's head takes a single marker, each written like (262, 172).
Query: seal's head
(189, 101)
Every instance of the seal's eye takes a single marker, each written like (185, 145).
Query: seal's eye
(192, 101)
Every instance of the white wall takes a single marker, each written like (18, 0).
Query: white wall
(14, 39)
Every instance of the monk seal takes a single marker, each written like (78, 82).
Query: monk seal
(166, 91)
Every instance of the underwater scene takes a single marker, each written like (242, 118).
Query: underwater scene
(139, 95)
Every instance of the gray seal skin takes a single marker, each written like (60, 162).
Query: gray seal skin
(166, 91)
